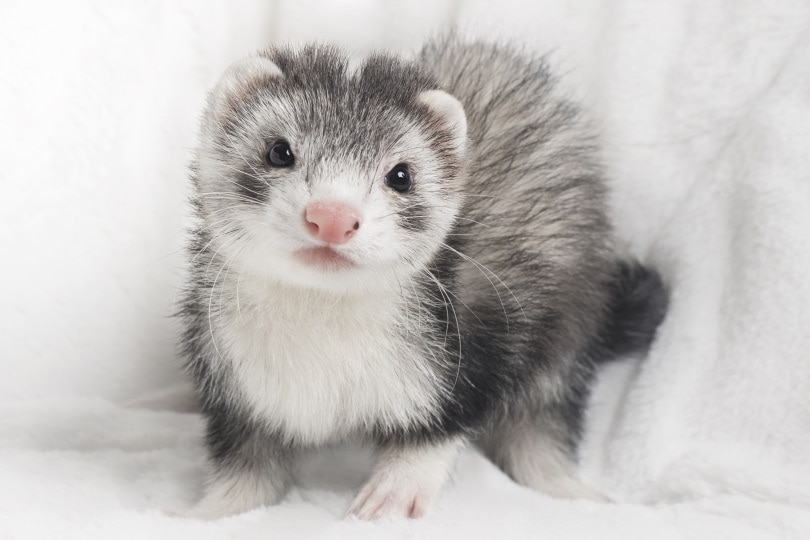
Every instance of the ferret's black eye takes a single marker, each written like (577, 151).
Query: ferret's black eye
(280, 155)
(399, 178)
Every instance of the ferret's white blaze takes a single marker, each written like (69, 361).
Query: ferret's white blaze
(319, 366)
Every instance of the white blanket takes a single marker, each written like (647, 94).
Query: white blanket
(704, 109)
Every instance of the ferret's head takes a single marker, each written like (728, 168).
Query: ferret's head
(324, 178)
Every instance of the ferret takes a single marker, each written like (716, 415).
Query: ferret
(412, 253)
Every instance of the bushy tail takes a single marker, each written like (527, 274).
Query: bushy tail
(638, 304)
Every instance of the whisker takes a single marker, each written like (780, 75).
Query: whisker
(407, 307)
(212, 194)
(489, 197)
(241, 171)
(478, 264)
(235, 149)
(457, 297)
(457, 217)
(213, 237)
(211, 300)
(492, 284)
(213, 256)
(225, 278)
(401, 210)
(162, 257)
(225, 178)
(242, 202)
(238, 282)
(444, 293)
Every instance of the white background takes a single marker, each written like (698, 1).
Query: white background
(703, 110)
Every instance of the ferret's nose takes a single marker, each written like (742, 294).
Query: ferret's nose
(332, 222)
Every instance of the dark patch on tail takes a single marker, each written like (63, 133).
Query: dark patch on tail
(638, 303)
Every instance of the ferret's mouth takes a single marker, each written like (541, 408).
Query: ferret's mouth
(324, 258)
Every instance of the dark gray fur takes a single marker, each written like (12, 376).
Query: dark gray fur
(538, 296)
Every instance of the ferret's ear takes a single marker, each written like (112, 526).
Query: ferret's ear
(451, 112)
(238, 77)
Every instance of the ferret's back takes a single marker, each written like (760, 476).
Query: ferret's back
(534, 186)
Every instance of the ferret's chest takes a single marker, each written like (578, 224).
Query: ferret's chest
(318, 370)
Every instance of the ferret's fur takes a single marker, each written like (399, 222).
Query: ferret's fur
(478, 302)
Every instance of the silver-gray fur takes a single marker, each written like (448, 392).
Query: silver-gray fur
(475, 303)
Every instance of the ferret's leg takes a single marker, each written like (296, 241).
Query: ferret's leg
(537, 451)
(248, 470)
(406, 480)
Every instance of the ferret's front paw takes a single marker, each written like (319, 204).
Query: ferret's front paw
(229, 495)
(406, 481)
(385, 496)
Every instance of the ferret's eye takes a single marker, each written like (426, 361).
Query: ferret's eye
(399, 178)
(280, 155)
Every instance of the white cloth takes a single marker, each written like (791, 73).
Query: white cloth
(704, 109)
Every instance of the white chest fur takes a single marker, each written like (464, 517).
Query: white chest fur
(320, 367)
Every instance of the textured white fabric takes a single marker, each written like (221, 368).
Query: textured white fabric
(704, 109)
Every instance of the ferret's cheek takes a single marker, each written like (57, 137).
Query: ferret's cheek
(284, 211)
(377, 242)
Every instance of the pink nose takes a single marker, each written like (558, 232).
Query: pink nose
(332, 222)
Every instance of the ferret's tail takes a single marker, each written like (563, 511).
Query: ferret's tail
(638, 304)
